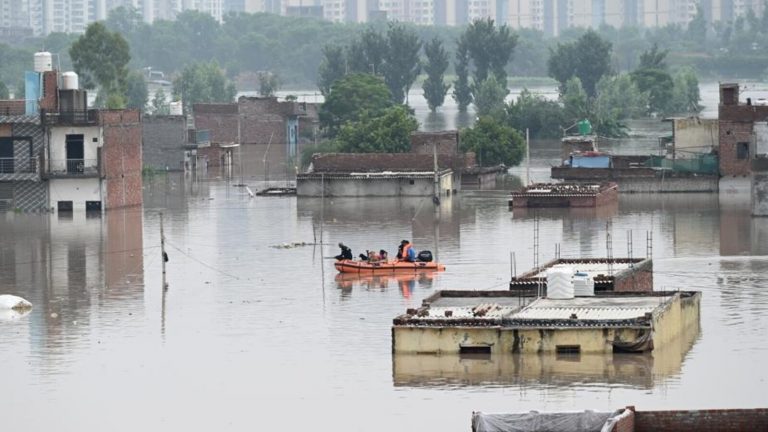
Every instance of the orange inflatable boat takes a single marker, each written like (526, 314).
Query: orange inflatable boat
(350, 266)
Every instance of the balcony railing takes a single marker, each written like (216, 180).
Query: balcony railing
(74, 117)
(74, 167)
(18, 165)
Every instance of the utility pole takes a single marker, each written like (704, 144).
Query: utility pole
(527, 158)
(162, 250)
(436, 180)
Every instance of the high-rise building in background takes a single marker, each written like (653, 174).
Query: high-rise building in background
(549, 16)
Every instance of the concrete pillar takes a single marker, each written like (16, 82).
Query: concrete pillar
(760, 187)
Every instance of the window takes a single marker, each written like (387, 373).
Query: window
(568, 349)
(64, 206)
(477, 349)
(93, 206)
(742, 150)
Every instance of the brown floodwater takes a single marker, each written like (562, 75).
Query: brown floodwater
(253, 337)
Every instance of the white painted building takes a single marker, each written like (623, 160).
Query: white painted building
(75, 180)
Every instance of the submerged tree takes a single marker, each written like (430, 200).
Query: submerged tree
(489, 97)
(434, 87)
(350, 97)
(268, 84)
(588, 58)
(493, 142)
(490, 48)
(401, 62)
(462, 92)
(652, 77)
(388, 132)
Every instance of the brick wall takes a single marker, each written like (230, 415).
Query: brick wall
(626, 421)
(376, 162)
(720, 420)
(14, 107)
(121, 157)
(637, 279)
(447, 142)
(732, 133)
(163, 140)
(220, 119)
(50, 99)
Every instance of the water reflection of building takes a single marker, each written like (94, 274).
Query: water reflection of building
(72, 266)
(631, 370)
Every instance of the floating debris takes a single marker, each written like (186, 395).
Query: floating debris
(12, 302)
(293, 245)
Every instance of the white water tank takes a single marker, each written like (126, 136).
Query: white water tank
(69, 81)
(560, 283)
(175, 108)
(583, 285)
(43, 61)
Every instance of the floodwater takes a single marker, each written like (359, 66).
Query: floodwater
(251, 337)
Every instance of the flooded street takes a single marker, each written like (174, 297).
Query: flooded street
(254, 337)
(250, 336)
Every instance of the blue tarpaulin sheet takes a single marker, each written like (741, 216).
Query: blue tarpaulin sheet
(31, 92)
(602, 161)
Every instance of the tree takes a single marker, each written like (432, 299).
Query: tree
(697, 27)
(332, 68)
(490, 49)
(493, 143)
(159, 104)
(367, 54)
(388, 132)
(101, 57)
(401, 61)
(618, 97)
(462, 92)
(202, 82)
(542, 117)
(685, 93)
(651, 77)
(575, 101)
(136, 94)
(268, 84)
(588, 58)
(350, 97)
(489, 97)
(3, 91)
(434, 87)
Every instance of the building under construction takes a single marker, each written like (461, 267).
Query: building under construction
(608, 274)
(565, 195)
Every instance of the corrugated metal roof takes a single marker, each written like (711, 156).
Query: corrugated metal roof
(493, 311)
(590, 308)
(592, 269)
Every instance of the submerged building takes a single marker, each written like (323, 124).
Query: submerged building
(565, 195)
(455, 322)
(56, 154)
(608, 274)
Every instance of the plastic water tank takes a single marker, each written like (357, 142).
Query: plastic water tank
(43, 61)
(69, 81)
(560, 283)
(175, 108)
(583, 285)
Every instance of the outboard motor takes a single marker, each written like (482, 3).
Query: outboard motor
(425, 256)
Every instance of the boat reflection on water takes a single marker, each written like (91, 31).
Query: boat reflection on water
(406, 283)
(637, 371)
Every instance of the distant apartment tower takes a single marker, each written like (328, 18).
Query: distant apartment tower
(14, 13)
(349, 10)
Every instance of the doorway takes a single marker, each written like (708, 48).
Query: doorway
(75, 154)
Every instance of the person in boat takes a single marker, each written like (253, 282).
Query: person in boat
(373, 256)
(383, 255)
(346, 253)
(407, 253)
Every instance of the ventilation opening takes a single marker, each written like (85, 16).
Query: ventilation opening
(479, 349)
(410, 182)
(64, 206)
(568, 349)
(93, 206)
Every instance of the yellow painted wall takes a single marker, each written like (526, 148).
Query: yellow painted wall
(669, 324)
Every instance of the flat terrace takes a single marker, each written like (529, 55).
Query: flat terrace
(564, 195)
(609, 274)
(498, 321)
